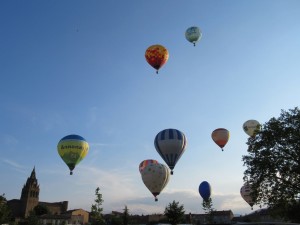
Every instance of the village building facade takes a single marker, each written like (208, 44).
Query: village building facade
(57, 211)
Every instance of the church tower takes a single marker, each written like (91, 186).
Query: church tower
(30, 194)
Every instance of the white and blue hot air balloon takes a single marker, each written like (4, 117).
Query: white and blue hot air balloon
(193, 34)
(170, 144)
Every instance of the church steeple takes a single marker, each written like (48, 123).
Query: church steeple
(32, 176)
(30, 193)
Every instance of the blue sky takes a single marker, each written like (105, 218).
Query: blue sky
(78, 67)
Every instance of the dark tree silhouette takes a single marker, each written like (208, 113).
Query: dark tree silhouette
(175, 213)
(273, 164)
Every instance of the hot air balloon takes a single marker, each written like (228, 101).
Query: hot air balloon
(145, 163)
(246, 194)
(157, 56)
(72, 149)
(193, 34)
(170, 144)
(155, 177)
(220, 137)
(205, 190)
(250, 127)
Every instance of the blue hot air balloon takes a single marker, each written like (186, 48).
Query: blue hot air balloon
(170, 144)
(205, 190)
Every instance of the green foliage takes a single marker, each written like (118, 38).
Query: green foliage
(41, 210)
(115, 220)
(208, 209)
(273, 163)
(5, 213)
(96, 209)
(175, 213)
(32, 219)
(125, 216)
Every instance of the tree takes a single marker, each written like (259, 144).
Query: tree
(125, 216)
(273, 164)
(174, 213)
(208, 209)
(32, 219)
(5, 212)
(96, 209)
(115, 220)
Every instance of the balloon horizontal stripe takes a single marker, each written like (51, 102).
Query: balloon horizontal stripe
(73, 137)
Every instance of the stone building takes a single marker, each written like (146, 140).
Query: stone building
(217, 217)
(75, 216)
(30, 199)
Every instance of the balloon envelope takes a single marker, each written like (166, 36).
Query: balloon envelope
(193, 34)
(220, 136)
(157, 56)
(155, 177)
(246, 194)
(72, 149)
(205, 190)
(170, 144)
(145, 163)
(251, 126)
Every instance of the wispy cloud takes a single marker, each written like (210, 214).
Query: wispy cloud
(10, 140)
(120, 187)
(44, 120)
(15, 165)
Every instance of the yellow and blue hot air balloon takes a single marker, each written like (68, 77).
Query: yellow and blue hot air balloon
(155, 176)
(72, 149)
(157, 56)
(170, 144)
(193, 34)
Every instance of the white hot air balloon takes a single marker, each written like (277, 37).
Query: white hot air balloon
(193, 34)
(251, 126)
(155, 177)
(246, 194)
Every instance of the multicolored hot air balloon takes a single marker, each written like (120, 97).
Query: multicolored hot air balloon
(251, 127)
(157, 56)
(246, 194)
(193, 35)
(72, 149)
(155, 177)
(220, 136)
(170, 144)
(205, 190)
(145, 163)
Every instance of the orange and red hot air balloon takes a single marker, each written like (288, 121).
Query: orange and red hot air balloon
(220, 137)
(157, 56)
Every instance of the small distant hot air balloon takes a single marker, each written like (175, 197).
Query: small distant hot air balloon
(205, 190)
(155, 177)
(220, 136)
(170, 144)
(246, 194)
(157, 56)
(251, 127)
(193, 35)
(72, 149)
